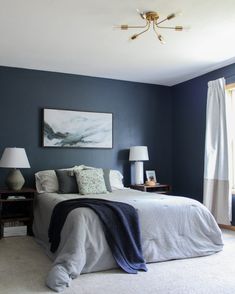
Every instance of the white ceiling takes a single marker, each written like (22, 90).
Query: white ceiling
(75, 36)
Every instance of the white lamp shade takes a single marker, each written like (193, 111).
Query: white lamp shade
(14, 158)
(138, 153)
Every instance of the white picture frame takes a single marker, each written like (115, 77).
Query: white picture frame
(72, 128)
(151, 175)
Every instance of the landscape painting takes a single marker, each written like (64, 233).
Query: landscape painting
(69, 128)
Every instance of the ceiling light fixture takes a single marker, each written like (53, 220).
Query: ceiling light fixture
(152, 20)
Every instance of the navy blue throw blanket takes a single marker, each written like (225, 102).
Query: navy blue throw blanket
(120, 224)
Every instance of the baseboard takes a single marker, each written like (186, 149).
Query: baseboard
(227, 227)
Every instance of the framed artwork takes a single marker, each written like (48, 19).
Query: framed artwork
(83, 129)
(151, 175)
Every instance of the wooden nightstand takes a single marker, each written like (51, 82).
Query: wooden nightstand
(16, 210)
(160, 188)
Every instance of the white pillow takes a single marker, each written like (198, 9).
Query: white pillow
(47, 182)
(115, 178)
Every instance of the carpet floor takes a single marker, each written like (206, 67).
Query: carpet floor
(24, 266)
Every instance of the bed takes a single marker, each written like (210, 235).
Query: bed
(171, 228)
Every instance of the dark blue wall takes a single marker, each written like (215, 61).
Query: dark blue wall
(189, 122)
(171, 121)
(142, 115)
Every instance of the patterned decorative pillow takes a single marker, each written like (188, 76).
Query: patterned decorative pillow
(90, 181)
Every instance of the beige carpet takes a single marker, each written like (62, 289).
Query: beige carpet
(23, 268)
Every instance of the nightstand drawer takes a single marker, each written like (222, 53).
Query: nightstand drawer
(16, 208)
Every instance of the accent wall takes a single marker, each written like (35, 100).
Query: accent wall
(142, 115)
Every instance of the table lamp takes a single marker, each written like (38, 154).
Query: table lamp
(14, 158)
(139, 154)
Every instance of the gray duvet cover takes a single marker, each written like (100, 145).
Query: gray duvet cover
(171, 228)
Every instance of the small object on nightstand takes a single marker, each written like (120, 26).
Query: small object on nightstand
(15, 197)
(151, 175)
(150, 183)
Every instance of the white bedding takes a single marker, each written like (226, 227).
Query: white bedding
(171, 228)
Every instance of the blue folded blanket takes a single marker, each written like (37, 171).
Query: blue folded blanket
(120, 224)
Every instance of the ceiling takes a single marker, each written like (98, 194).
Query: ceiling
(75, 36)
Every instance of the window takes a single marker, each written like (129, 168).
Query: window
(231, 93)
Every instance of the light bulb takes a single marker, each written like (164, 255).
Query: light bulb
(124, 27)
(142, 14)
(178, 28)
(173, 15)
(161, 39)
(134, 37)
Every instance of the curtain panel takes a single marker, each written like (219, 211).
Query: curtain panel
(217, 194)
(232, 96)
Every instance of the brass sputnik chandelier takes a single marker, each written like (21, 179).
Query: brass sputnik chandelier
(152, 19)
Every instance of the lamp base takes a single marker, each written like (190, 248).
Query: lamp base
(15, 181)
(139, 175)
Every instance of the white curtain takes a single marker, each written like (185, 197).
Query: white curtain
(231, 93)
(217, 195)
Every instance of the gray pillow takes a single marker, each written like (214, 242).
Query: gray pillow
(106, 172)
(67, 182)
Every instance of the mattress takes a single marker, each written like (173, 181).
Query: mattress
(171, 228)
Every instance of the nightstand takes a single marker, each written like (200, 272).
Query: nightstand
(159, 188)
(16, 210)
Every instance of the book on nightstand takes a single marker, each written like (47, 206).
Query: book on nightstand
(16, 228)
(12, 197)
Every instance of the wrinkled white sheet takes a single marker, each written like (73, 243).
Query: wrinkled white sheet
(171, 228)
